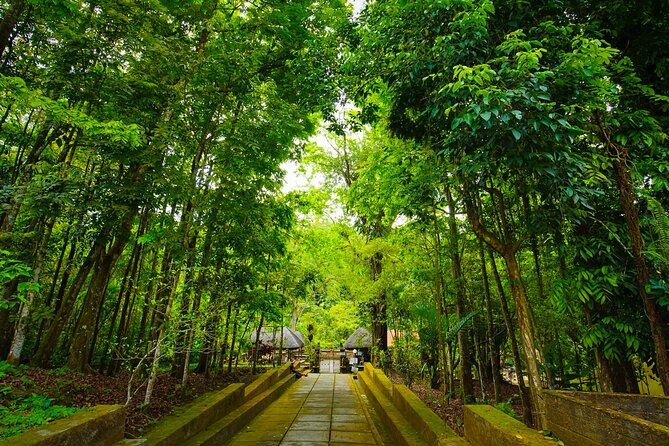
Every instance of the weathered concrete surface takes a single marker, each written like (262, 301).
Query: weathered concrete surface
(317, 410)
(487, 426)
(651, 408)
(589, 422)
(132, 442)
(222, 430)
(403, 413)
(188, 421)
(210, 409)
(265, 381)
(429, 425)
(99, 426)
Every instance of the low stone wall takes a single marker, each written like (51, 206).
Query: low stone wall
(265, 381)
(593, 419)
(651, 408)
(487, 426)
(191, 419)
(406, 416)
(99, 426)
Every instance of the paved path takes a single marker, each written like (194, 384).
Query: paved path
(318, 410)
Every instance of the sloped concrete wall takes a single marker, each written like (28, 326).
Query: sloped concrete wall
(487, 426)
(404, 414)
(99, 426)
(591, 419)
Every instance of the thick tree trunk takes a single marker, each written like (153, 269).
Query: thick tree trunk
(8, 23)
(527, 330)
(7, 319)
(515, 351)
(653, 311)
(82, 344)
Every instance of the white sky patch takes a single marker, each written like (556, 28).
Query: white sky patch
(358, 6)
(300, 177)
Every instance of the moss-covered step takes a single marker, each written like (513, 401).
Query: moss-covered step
(99, 426)
(265, 381)
(193, 418)
(409, 420)
(398, 426)
(487, 426)
(223, 430)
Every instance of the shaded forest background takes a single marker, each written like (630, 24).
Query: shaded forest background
(494, 187)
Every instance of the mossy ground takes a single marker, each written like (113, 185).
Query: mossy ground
(33, 386)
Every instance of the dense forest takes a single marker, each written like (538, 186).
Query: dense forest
(491, 186)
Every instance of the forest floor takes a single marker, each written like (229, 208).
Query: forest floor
(451, 410)
(66, 388)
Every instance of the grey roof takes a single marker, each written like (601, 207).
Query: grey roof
(299, 334)
(359, 339)
(272, 336)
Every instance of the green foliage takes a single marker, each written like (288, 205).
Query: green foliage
(24, 413)
(507, 408)
(406, 359)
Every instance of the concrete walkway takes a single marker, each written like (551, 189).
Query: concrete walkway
(318, 410)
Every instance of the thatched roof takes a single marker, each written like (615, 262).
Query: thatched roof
(359, 339)
(272, 336)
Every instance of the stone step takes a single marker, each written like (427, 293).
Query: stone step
(223, 430)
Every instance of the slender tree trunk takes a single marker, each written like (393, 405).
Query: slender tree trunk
(20, 332)
(147, 298)
(50, 340)
(621, 160)
(439, 303)
(128, 302)
(234, 338)
(257, 344)
(115, 313)
(507, 248)
(66, 277)
(52, 289)
(466, 378)
(199, 287)
(166, 295)
(494, 364)
(209, 338)
(378, 309)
